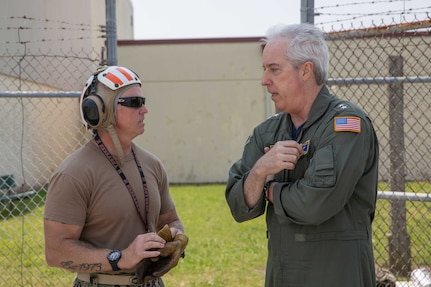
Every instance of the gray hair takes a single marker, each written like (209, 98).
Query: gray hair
(305, 43)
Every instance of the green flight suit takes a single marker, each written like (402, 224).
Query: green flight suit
(319, 226)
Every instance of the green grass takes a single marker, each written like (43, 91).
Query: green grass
(221, 252)
(418, 218)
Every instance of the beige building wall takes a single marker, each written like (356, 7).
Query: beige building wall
(204, 98)
(124, 19)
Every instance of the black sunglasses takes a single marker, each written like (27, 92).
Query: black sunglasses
(132, 102)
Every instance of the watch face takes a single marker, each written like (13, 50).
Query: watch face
(114, 255)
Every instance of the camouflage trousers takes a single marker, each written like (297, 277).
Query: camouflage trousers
(154, 283)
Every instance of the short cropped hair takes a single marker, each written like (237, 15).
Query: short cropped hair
(305, 43)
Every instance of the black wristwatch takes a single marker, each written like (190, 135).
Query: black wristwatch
(113, 258)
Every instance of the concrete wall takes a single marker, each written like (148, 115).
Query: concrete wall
(204, 98)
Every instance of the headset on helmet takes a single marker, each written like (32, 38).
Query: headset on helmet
(100, 93)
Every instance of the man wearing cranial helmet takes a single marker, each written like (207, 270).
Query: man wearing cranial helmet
(107, 200)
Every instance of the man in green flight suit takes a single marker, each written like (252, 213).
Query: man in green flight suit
(313, 167)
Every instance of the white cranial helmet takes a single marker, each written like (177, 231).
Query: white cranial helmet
(99, 97)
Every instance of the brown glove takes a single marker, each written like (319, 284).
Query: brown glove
(151, 268)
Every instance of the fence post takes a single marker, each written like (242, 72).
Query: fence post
(398, 239)
(111, 33)
(307, 11)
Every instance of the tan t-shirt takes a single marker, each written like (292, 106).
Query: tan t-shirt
(86, 190)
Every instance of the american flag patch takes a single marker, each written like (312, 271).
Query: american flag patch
(347, 124)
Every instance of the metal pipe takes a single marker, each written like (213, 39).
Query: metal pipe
(111, 33)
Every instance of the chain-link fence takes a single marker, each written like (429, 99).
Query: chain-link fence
(386, 71)
(38, 130)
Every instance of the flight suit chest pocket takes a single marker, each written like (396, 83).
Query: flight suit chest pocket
(321, 172)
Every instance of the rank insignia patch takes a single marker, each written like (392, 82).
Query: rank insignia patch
(305, 147)
(347, 124)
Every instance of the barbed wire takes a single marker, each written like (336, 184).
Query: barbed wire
(328, 12)
(362, 3)
(56, 25)
(362, 16)
(45, 21)
(386, 13)
(51, 55)
(51, 40)
(100, 28)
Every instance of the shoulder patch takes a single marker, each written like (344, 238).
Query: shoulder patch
(347, 124)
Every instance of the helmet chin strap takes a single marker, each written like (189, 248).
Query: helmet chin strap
(117, 145)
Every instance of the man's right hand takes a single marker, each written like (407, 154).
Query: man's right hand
(143, 246)
(282, 155)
